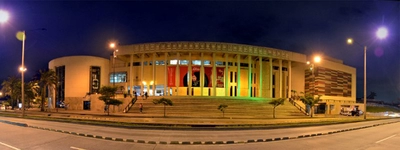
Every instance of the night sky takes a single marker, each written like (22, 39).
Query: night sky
(308, 27)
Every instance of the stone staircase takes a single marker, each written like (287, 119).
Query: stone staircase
(206, 107)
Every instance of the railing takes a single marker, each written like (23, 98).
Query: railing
(303, 110)
(129, 106)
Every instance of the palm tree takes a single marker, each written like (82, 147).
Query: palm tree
(30, 92)
(276, 103)
(48, 79)
(163, 101)
(11, 87)
(310, 100)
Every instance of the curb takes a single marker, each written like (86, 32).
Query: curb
(14, 123)
(196, 142)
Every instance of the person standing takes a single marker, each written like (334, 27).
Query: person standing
(140, 107)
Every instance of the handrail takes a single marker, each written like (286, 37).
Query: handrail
(303, 110)
(129, 106)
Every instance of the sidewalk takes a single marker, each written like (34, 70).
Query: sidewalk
(149, 119)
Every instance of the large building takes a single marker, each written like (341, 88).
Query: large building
(208, 69)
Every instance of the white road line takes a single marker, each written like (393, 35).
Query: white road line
(9, 146)
(385, 139)
(76, 148)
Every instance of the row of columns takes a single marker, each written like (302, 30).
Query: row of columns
(214, 76)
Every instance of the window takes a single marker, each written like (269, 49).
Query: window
(136, 64)
(183, 62)
(60, 73)
(150, 63)
(173, 62)
(231, 76)
(219, 63)
(236, 77)
(196, 62)
(145, 63)
(160, 62)
(207, 62)
(118, 77)
(94, 79)
(244, 65)
(273, 79)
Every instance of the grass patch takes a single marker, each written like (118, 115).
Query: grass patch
(376, 109)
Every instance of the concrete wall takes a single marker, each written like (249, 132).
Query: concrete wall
(77, 76)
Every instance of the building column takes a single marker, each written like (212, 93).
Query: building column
(202, 75)
(131, 76)
(271, 71)
(214, 75)
(260, 85)
(190, 69)
(249, 77)
(166, 93)
(142, 73)
(177, 75)
(238, 86)
(226, 75)
(280, 78)
(290, 77)
(154, 74)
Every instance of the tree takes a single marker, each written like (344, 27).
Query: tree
(47, 80)
(163, 101)
(276, 103)
(372, 95)
(107, 96)
(310, 100)
(222, 108)
(11, 86)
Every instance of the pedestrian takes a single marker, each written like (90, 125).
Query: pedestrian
(135, 95)
(140, 107)
(105, 108)
(145, 95)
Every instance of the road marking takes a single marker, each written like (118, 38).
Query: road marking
(385, 139)
(9, 146)
(76, 148)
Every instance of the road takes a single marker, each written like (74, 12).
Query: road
(27, 138)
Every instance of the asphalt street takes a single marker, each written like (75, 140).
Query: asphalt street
(381, 135)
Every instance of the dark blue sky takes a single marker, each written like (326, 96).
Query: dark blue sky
(85, 28)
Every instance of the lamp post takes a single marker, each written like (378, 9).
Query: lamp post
(21, 36)
(112, 46)
(22, 69)
(316, 59)
(381, 34)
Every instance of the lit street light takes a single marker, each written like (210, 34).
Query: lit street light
(21, 36)
(3, 16)
(381, 33)
(316, 59)
(113, 47)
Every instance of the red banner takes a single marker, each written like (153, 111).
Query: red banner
(208, 77)
(171, 76)
(220, 77)
(183, 70)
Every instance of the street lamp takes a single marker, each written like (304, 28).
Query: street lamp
(113, 47)
(316, 59)
(21, 36)
(3, 16)
(22, 69)
(381, 33)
